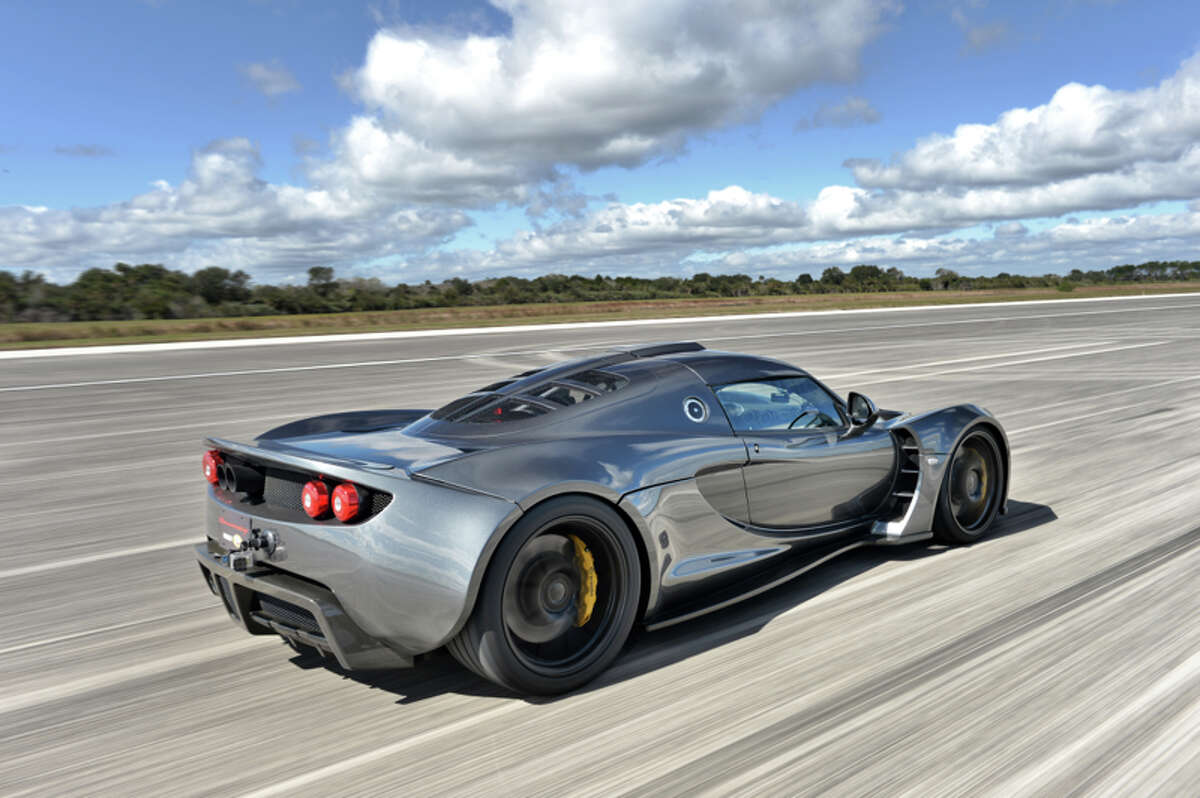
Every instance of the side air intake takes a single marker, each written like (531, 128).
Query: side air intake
(907, 481)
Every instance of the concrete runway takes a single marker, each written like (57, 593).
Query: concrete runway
(1060, 656)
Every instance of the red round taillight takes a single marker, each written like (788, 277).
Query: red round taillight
(210, 462)
(345, 502)
(315, 498)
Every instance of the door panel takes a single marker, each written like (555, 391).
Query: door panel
(800, 479)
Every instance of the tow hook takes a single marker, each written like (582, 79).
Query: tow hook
(264, 540)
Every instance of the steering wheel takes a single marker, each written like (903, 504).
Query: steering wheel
(809, 412)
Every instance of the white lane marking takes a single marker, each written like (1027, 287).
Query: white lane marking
(435, 358)
(847, 374)
(115, 349)
(87, 684)
(110, 555)
(987, 366)
(482, 356)
(49, 641)
(304, 779)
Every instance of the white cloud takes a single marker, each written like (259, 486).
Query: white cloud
(222, 213)
(1090, 244)
(1098, 243)
(1083, 130)
(1088, 149)
(484, 118)
(271, 79)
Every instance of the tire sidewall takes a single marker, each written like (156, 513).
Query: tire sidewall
(485, 631)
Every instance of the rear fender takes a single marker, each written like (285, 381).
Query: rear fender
(407, 576)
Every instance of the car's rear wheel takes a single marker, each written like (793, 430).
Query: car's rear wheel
(972, 490)
(557, 601)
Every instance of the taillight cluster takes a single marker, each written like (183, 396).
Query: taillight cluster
(318, 500)
(212, 461)
(345, 500)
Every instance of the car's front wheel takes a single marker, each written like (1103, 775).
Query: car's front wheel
(972, 489)
(557, 601)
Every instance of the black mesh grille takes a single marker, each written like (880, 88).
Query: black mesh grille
(282, 489)
(288, 614)
(378, 502)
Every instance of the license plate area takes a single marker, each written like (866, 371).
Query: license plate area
(232, 529)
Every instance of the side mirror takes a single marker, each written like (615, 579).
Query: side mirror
(862, 410)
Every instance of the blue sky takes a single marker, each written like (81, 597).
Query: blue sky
(409, 140)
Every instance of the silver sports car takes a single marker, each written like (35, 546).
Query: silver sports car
(527, 526)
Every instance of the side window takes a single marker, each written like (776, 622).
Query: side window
(781, 404)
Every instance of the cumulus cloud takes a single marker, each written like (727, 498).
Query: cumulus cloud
(83, 151)
(482, 118)
(735, 218)
(1088, 149)
(1090, 244)
(271, 79)
(1083, 130)
(223, 213)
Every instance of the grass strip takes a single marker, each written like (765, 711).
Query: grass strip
(95, 333)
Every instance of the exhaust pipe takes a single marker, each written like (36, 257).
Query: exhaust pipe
(239, 479)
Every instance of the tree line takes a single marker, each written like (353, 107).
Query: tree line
(152, 291)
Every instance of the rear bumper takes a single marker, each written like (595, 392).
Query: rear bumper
(314, 617)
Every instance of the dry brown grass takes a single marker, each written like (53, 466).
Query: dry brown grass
(14, 336)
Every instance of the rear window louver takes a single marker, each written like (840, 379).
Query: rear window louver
(486, 406)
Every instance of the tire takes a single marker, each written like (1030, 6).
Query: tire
(972, 490)
(531, 631)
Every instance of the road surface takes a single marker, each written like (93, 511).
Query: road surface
(1060, 656)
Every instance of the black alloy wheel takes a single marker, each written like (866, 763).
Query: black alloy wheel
(972, 490)
(558, 600)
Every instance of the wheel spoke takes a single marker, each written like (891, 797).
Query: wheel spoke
(541, 628)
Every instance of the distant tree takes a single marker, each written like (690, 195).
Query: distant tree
(946, 278)
(97, 294)
(151, 290)
(320, 280)
(8, 296)
(216, 285)
(833, 276)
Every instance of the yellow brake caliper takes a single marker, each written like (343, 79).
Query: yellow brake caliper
(585, 602)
